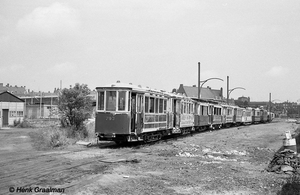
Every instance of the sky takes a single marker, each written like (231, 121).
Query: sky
(155, 43)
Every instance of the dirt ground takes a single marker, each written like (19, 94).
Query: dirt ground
(227, 161)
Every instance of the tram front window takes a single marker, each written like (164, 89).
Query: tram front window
(101, 100)
(122, 100)
(111, 100)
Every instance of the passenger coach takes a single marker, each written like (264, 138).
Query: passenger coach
(128, 113)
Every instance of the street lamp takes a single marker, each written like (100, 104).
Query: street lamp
(203, 82)
(230, 90)
(199, 87)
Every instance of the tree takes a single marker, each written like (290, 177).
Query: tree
(75, 106)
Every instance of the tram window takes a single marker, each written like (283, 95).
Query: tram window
(198, 111)
(151, 105)
(186, 108)
(161, 105)
(182, 108)
(122, 100)
(146, 104)
(129, 105)
(140, 103)
(204, 110)
(165, 105)
(156, 105)
(101, 100)
(111, 100)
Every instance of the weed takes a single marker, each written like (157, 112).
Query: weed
(54, 137)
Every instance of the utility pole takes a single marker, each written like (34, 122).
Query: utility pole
(199, 88)
(269, 102)
(40, 104)
(227, 89)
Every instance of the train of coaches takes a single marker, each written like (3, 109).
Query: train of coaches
(128, 113)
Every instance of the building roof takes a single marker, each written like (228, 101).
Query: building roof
(206, 93)
(257, 104)
(6, 96)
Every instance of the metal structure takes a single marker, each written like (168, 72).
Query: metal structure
(230, 90)
(203, 82)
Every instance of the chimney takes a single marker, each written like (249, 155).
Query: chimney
(221, 92)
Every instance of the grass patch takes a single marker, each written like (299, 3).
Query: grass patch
(48, 138)
(53, 137)
(22, 124)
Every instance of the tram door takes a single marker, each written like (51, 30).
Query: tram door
(133, 113)
(176, 112)
(211, 114)
(139, 112)
(136, 113)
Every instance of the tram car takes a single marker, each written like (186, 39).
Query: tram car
(247, 116)
(128, 113)
(271, 116)
(228, 112)
(201, 117)
(263, 115)
(256, 115)
(216, 116)
(237, 115)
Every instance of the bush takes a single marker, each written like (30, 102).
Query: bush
(23, 124)
(292, 186)
(75, 106)
(45, 139)
(17, 122)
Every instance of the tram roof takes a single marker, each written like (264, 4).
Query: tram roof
(139, 88)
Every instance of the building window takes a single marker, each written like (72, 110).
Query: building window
(13, 114)
(19, 113)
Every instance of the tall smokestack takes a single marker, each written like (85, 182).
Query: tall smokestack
(199, 90)
(227, 89)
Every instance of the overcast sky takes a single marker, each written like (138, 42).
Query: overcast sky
(155, 43)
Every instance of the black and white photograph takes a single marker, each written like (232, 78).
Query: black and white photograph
(175, 97)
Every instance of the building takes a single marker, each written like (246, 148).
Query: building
(11, 109)
(13, 89)
(38, 104)
(206, 93)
